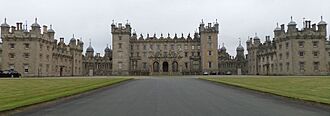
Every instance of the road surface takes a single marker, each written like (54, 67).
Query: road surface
(166, 96)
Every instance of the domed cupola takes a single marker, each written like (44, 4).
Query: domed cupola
(292, 23)
(322, 22)
(73, 40)
(90, 48)
(5, 24)
(35, 24)
(107, 49)
(277, 28)
(240, 47)
(256, 37)
(223, 48)
(50, 30)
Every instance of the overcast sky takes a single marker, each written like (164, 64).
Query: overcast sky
(91, 19)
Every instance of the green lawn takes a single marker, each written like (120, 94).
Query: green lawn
(315, 89)
(16, 93)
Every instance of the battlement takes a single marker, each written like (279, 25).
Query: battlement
(120, 28)
(256, 43)
(308, 29)
(209, 28)
(21, 31)
(196, 37)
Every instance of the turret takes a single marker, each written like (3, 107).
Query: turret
(73, 42)
(277, 30)
(256, 40)
(107, 51)
(36, 27)
(322, 27)
(51, 32)
(240, 51)
(5, 27)
(90, 50)
(292, 26)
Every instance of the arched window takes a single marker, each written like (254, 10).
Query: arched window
(175, 66)
(156, 67)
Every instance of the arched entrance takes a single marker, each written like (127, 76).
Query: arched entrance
(175, 66)
(165, 66)
(155, 67)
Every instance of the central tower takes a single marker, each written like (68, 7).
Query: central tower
(209, 44)
(120, 42)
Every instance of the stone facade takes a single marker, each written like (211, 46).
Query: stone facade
(152, 55)
(36, 52)
(97, 65)
(232, 65)
(291, 52)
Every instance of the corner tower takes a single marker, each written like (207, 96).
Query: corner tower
(120, 43)
(209, 44)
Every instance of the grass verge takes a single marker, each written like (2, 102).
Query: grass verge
(15, 93)
(316, 89)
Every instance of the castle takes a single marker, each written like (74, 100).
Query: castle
(151, 55)
(293, 51)
(36, 52)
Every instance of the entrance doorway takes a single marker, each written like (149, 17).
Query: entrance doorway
(165, 66)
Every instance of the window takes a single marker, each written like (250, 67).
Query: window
(185, 47)
(26, 68)
(287, 45)
(186, 54)
(302, 66)
(198, 47)
(210, 64)
(12, 45)
(11, 66)
(192, 47)
(315, 44)
(158, 47)
(165, 47)
(281, 67)
(151, 47)
(132, 47)
(287, 66)
(198, 53)
(11, 55)
(287, 55)
(26, 55)
(179, 47)
(137, 47)
(172, 46)
(137, 54)
(316, 66)
(26, 45)
(119, 37)
(209, 38)
(301, 44)
(280, 56)
(119, 45)
(315, 54)
(144, 47)
(120, 65)
(210, 53)
(144, 65)
(301, 54)
(41, 47)
(186, 65)
(280, 46)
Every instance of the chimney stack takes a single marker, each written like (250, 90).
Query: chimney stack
(44, 29)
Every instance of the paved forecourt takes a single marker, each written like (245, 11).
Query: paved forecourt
(174, 96)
